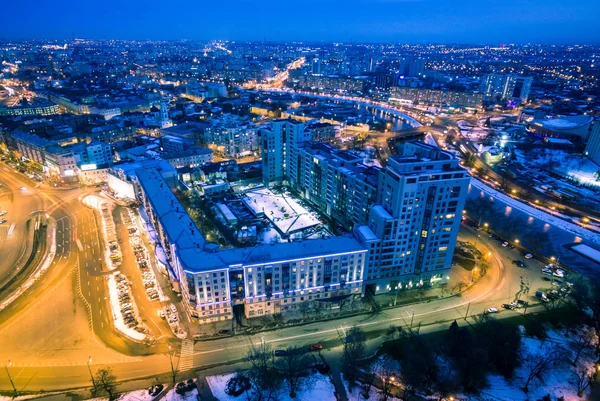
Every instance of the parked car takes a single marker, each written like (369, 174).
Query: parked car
(280, 352)
(316, 347)
(528, 256)
(3, 212)
(2, 220)
(492, 310)
(518, 263)
(521, 303)
(507, 306)
(505, 244)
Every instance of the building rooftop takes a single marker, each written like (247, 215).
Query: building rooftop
(564, 123)
(197, 255)
(176, 223)
(195, 260)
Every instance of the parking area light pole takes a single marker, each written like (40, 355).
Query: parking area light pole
(10, 378)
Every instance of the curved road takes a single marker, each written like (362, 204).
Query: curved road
(498, 286)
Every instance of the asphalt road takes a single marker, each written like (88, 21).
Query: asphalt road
(497, 287)
(19, 204)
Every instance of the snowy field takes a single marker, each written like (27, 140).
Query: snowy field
(317, 388)
(558, 381)
(282, 210)
(566, 164)
(356, 393)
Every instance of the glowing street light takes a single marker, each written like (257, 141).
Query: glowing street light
(89, 362)
(10, 378)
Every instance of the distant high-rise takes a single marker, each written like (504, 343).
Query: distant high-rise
(411, 67)
(506, 86)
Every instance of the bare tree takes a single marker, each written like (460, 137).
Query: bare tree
(583, 380)
(106, 381)
(264, 378)
(386, 370)
(354, 350)
(583, 342)
(293, 366)
(536, 364)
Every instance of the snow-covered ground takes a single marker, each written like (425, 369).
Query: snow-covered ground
(558, 380)
(189, 396)
(137, 395)
(318, 388)
(356, 393)
(566, 164)
(538, 214)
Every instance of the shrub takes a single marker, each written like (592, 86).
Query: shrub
(237, 385)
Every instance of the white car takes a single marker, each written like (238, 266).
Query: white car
(2, 213)
(23, 188)
(528, 256)
(2, 221)
(505, 244)
(492, 310)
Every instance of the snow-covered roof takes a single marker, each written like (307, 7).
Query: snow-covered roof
(569, 122)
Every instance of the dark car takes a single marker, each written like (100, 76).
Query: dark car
(507, 306)
(316, 347)
(280, 352)
(521, 303)
(155, 390)
(518, 263)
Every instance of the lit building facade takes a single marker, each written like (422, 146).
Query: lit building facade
(411, 233)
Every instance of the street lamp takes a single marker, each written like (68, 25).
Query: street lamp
(517, 241)
(89, 362)
(172, 367)
(10, 378)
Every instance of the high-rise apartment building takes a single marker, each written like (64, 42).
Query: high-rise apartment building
(592, 149)
(337, 182)
(411, 233)
(506, 86)
(412, 67)
(280, 151)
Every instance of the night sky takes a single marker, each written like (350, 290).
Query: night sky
(407, 21)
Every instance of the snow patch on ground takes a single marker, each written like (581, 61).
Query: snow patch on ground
(189, 396)
(356, 393)
(558, 381)
(319, 389)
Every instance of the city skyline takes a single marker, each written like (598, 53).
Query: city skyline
(406, 21)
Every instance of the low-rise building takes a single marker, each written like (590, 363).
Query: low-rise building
(232, 136)
(266, 279)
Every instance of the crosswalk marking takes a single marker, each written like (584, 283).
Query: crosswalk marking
(186, 358)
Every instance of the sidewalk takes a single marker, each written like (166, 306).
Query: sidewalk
(203, 389)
